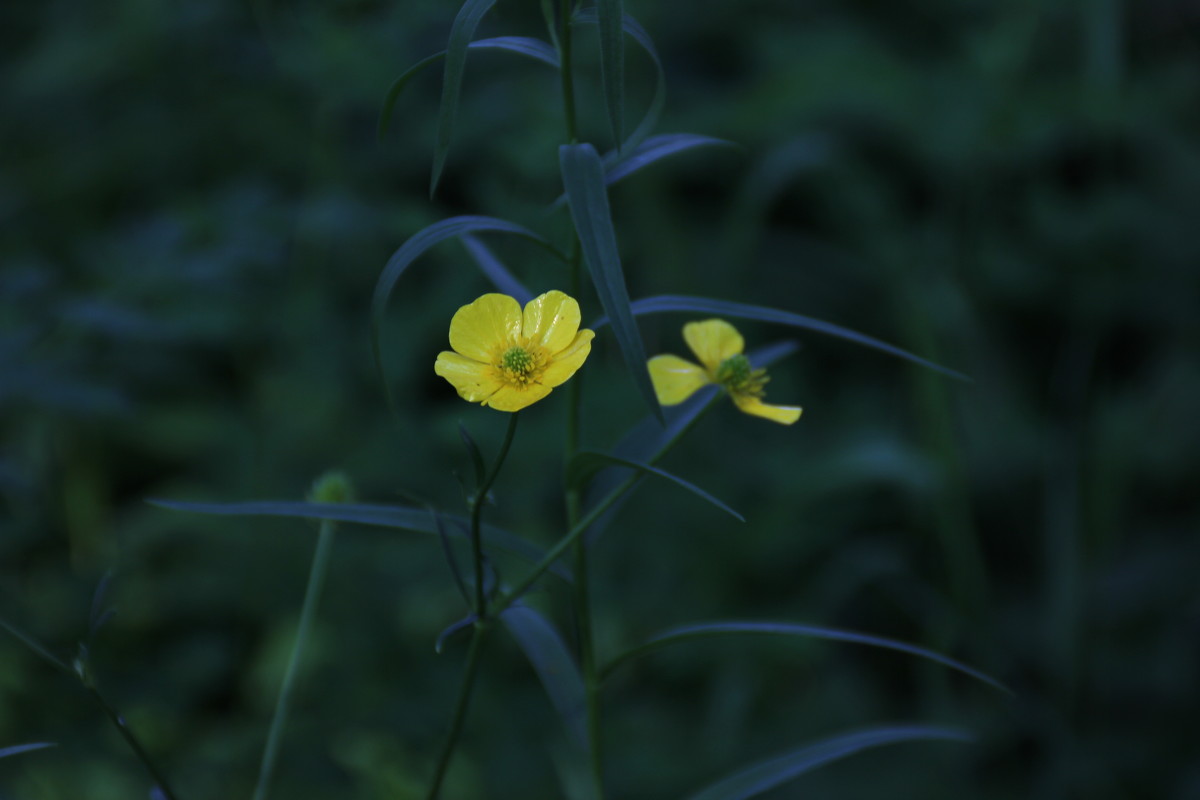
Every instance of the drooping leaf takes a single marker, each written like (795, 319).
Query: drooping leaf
(534, 48)
(704, 305)
(707, 630)
(646, 439)
(767, 775)
(588, 16)
(416, 520)
(586, 464)
(5, 752)
(413, 248)
(557, 670)
(461, 33)
(495, 271)
(653, 149)
(610, 15)
(583, 180)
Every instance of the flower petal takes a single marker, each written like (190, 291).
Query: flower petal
(564, 363)
(713, 341)
(490, 323)
(785, 415)
(551, 320)
(675, 379)
(474, 381)
(511, 398)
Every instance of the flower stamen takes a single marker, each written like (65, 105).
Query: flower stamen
(737, 377)
(519, 366)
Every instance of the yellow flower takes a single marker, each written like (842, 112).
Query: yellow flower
(507, 359)
(719, 347)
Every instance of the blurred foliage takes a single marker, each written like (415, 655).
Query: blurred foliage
(193, 212)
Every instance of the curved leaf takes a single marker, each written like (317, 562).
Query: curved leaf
(534, 48)
(461, 33)
(645, 440)
(610, 14)
(5, 752)
(452, 629)
(705, 305)
(708, 630)
(586, 464)
(583, 180)
(588, 16)
(557, 670)
(767, 775)
(495, 271)
(415, 247)
(416, 520)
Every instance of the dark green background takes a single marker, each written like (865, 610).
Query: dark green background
(194, 210)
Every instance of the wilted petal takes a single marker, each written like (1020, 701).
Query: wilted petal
(713, 341)
(675, 379)
(490, 323)
(785, 415)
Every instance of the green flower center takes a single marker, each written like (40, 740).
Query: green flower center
(737, 376)
(519, 366)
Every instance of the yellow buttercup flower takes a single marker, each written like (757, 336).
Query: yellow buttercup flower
(509, 359)
(719, 347)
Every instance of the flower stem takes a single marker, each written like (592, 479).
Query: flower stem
(460, 708)
(308, 611)
(568, 82)
(136, 746)
(477, 511)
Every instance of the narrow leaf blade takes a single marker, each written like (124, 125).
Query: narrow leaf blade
(416, 520)
(657, 148)
(583, 180)
(461, 33)
(495, 271)
(610, 14)
(634, 30)
(558, 672)
(769, 774)
(706, 630)
(659, 304)
(586, 464)
(5, 752)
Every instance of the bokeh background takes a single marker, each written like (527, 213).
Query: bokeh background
(194, 209)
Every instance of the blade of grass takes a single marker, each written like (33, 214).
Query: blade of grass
(495, 271)
(610, 15)
(635, 31)
(461, 33)
(583, 180)
(5, 752)
(559, 674)
(586, 464)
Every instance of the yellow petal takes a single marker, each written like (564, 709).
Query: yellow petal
(551, 320)
(564, 363)
(512, 398)
(785, 415)
(474, 381)
(675, 379)
(490, 323)
(713, 341)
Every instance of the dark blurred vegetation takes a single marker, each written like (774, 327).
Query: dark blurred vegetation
(193, 212)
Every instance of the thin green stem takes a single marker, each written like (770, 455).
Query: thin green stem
(477, 502)
(127, 734)
(568, 81)
(308, 612)
(460, 708)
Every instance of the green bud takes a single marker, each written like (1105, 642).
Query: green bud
(332, 487)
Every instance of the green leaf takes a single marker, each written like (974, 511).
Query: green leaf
(653, 149)
(767, 775)
(611, 14)
(586, 464)
(416, 520)
(708, 630)
(534, 48)
(557, 670)
(496, 272)
(704, 305)
(648, 437)
(461, 33)
(473, 452)
(35, 646)
(583, 180)
(5, 752)
(631, 26)
(415, 247)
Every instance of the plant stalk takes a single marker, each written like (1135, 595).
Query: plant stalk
(470, 671)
